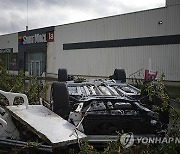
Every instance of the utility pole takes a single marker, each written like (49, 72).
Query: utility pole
(27, 17)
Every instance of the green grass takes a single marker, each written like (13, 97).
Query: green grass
(174, 91)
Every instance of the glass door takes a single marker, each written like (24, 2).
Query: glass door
(35, 68)
(35, 63)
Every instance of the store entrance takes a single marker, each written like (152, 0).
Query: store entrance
(35, 68)
(35, 63)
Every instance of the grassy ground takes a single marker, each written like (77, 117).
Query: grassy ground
(174, 91)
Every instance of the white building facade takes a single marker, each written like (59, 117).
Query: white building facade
(9, 50)
(97, 47)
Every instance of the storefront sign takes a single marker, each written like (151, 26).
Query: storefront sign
(36, 38)
(7, 50)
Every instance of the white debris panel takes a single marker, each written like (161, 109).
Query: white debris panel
(46, 124)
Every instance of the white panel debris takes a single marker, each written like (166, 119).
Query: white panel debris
(46, 124)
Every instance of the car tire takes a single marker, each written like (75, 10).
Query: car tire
(60, 98)
(119, 74)
(62, 75)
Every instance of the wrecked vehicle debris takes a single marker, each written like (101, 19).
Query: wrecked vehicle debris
(96, 109)
(47, 125)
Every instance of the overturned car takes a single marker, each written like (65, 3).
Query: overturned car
(103, 106)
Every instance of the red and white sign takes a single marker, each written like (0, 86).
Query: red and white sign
(150, 75)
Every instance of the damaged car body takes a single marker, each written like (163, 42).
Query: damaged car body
(103, 106)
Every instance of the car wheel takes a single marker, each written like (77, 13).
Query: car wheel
(119, 74)
(60, 97)
(62, 75)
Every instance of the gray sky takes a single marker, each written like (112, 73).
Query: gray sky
(43, 13)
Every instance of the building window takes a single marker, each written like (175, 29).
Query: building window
(9, 60)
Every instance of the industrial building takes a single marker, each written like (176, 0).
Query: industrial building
(96, 47)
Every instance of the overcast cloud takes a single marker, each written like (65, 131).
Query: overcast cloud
(43, 13)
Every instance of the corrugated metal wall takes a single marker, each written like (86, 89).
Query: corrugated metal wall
(102, 61)
(172, 2)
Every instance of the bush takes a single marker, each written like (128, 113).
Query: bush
(30, 86)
